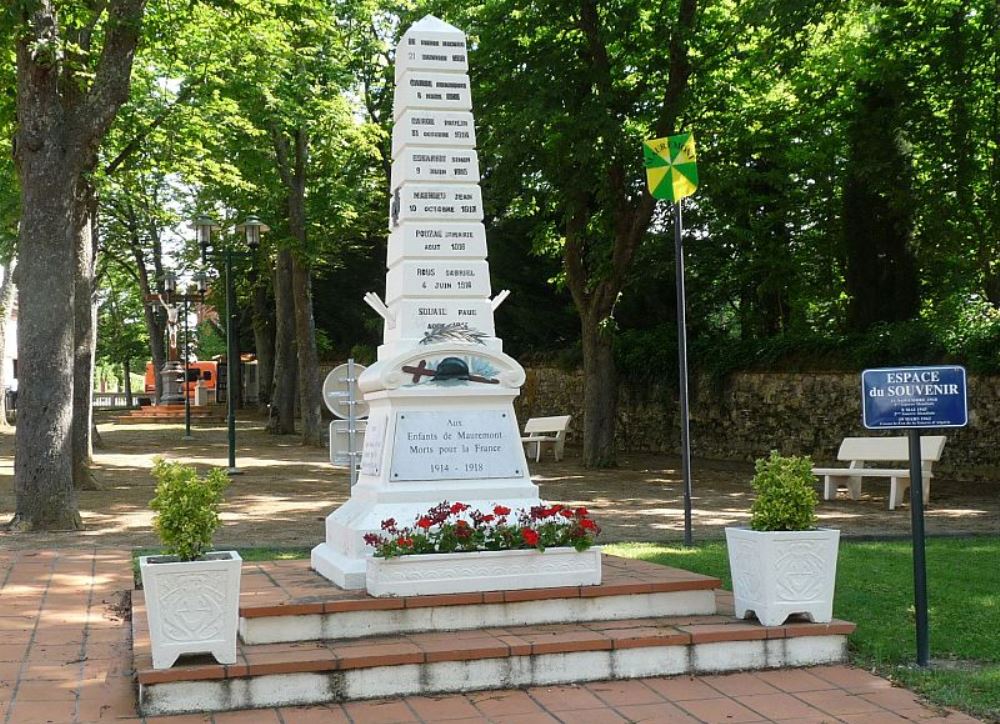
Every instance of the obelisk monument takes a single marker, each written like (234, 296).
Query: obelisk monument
(441, 423)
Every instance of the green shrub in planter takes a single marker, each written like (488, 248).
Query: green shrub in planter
(187, 508)
(786, 499)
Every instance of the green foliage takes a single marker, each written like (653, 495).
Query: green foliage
(211, 342)
(187, 507)
(785, 498)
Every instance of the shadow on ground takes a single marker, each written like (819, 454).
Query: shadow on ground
(286, 491)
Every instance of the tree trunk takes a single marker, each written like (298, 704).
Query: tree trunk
(282, 420)
(595, 289)
(7, 292)
(62, 117)
(881, 268)
(600, 395)
(155, 317)
(263, 334)
(310, 389)
(127, 369)
(85, 338)
(43, 471)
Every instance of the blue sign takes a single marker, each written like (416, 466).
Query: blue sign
(909, 397)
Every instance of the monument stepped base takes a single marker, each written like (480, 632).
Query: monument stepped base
(339, 645)
(173, 413)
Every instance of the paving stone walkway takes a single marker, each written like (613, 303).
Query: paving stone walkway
(65, 658)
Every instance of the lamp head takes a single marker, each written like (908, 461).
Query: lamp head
(204, 226)
(253, 228)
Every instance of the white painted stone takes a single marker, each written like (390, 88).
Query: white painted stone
(774, 652)
(354, 624)
(466, 675)
(483, 571)
(440, 202)
(729, 656)
(431, 44)
(810, 650)
(291, 689)
(776, 574)
(415, 318)
(436, 240)
(454, 676)
(649, 661)
(419, 165)
(433, 279)
(384, 681)
(424, 128)
(192, 607)
(419, 89)
(180, 697)
(567, 668)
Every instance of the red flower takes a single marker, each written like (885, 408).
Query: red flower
(459, 507)
(530, 537)
(373, 539)
(404, 542)
(588, 524)
(501, 510)
(461, 524)
(388, 524)
(424, 523)
(566, 513)
(488, 518)
(582, 512)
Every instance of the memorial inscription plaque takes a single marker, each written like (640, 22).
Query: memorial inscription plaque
(454, 444)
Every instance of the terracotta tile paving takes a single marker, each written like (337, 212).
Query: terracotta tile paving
(66, 658)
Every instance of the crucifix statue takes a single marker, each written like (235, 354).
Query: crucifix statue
(172, 313)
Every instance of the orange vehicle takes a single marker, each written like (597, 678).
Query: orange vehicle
(207, 370)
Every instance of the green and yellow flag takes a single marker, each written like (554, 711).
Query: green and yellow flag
(671, 166)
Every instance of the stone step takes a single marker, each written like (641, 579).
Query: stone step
(285, 601)
(430, 663)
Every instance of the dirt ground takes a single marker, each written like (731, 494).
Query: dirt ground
(286, 490)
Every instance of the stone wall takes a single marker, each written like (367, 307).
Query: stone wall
(750, 413)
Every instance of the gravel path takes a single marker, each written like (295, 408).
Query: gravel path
(286, 491)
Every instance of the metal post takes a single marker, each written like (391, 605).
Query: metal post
(231, 362)
(919, 560)
(184, 387)
(352, 422)
(683, 370)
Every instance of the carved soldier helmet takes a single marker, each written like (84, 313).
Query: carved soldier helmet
(451, 368)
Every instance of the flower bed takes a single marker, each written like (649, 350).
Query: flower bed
(456, 527)
(455, 549)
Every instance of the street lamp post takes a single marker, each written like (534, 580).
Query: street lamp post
(200, 280)
(252, 228)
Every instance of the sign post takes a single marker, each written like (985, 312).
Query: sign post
(914, 398)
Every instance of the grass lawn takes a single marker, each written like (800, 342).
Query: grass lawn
(875, 590)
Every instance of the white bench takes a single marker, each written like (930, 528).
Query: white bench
(861, 450)
(540, 431)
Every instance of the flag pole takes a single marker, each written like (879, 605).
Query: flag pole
(683, 369)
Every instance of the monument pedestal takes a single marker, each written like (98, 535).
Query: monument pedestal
(441, 427)
(172, 378)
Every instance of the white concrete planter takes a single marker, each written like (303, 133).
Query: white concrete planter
(416, 575)
(776, 574)
(193, 607)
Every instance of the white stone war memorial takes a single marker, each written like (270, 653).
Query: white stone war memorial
(441, 423)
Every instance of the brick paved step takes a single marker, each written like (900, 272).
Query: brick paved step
(285, 601)
(489, 658)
